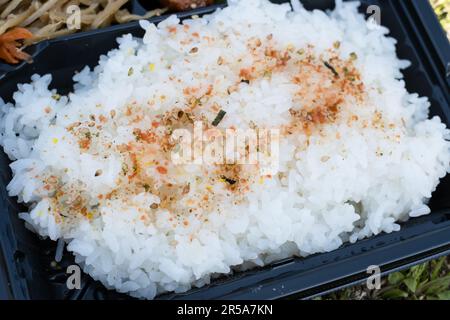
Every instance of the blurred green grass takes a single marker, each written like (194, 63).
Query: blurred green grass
(428, 281)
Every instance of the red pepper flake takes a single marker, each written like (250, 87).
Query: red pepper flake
(84, 143)
(161, 170)
(146, 136)
(210, 90)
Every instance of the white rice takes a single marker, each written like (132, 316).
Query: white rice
(352, 178)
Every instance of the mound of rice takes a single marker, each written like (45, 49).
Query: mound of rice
(357, 152)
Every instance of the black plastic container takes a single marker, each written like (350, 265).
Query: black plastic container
(27, 270)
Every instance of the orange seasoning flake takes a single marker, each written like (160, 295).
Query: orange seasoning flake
(84, 143)
(325, 103)
(161, 170)
(103, 119)
(209, 90)
(135, 169)
(190, 91)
